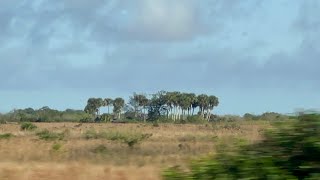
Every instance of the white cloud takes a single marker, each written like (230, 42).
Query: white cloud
(171, 18)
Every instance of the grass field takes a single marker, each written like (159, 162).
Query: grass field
(102, 151)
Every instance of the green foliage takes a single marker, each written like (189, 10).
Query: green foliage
(44, 114)
(27, 126)
(86, 120)
(157, 106)
(129, 138)
(155, 124)
(249, 117)
(118, 105)
(226, 118)
(56, 147)
(290, 151)
(101, 149)
(6, 136)
(2, 120)
(50, 136)
(93, 105)
(92, 134)
(106, 118)
(196, 120)
(272, 116)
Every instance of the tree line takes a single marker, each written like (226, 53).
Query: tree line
(44, 114)
(171, 105)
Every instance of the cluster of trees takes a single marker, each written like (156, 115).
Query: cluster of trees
(44, 114)
(178, 107)
(94, 105)
(172, 105)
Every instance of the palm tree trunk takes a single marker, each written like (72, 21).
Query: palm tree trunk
(144, 114)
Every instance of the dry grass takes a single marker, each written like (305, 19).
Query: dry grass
(25, 156)
(67, 171)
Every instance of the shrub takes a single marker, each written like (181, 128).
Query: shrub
(50, 136)
(86, 120)
(272, 116)
(290, 151)
(249, 117)
(6, 136)
(91, 134)
(28, 126)
(101, 149)
(132, 140)
(56, 146)
(106, 117)
(128, 138)
(155, 124)
(2, 121)
(196, 120)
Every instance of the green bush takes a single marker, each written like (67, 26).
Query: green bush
(6, 136)
(91, 134)
(50, 136)
(86, 120)
(128, 138)
(290, 151)
(2, 121)
(56, 147)
(28, 126)
(155, 124)
(196, 120)
(106, 117)
(101, 149)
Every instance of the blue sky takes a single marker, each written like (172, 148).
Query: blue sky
(255, 55)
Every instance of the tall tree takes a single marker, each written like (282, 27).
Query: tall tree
(185, 102)
(157, 105)
(93, 106)
(134, 101)
(203, 104)
(143, 102)
(108, 102)
(175, 101)
(194, 103)
(118, 105)
(213, 101)
(99, 104)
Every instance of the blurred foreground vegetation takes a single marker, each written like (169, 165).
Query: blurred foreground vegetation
(291, 150)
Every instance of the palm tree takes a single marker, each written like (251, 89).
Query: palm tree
(108, 102)
(118, 105)
(195, 104)
(192, 98)
(213, 102)
(203, 103)
(99, 102)
(169, 103)
(134, 102)
(143, 102)
(175, 102)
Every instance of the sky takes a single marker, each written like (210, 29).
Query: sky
(255, 55)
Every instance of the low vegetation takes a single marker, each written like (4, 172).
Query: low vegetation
(56, 146)
(50, 136)
(129, 138)
(27, 126)
(6, 136)
(289, 151)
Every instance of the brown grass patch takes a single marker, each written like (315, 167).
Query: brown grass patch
(27, 157)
